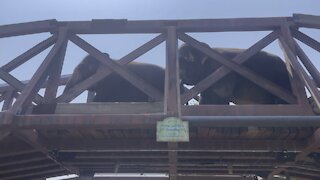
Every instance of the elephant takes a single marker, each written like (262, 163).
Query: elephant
(195, 66)
(114, 88)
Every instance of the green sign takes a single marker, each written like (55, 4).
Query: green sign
(172, 130)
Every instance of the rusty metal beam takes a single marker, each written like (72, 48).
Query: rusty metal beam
(306, 39)
(226, 177)
(131, 121)
(172, 104)
(246, 110)
(23, 161)
(217, 156)
(28, 28)
(181, 168)
(195, 145)
(153, 26)
(54, 76)
(156, 26)
(85, 121)
(296, 82)
(164, 162)
(13, 147)
(309, 83)
(14, 152)
(258, 121)
(10, 160)
(303, 20)
(122, 178)
(43, 172)
(16, 170)
(173, 160)
(186, 177)
(172, 88)
(159, 26)
(63, 80)
(302, 166)
(308, 64)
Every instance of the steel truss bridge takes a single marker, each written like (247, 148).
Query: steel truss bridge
(45, 135)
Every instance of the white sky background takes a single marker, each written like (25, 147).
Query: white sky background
(13, 11)
(18, 11)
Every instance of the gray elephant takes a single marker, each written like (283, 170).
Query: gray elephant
(195, 66)
(114, 88)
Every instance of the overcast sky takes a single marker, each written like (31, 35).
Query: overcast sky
(13, 11)
(17, 11)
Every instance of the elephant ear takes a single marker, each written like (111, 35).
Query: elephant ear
(189, 53)
(185, 53)
(84, 70)
(205, 58)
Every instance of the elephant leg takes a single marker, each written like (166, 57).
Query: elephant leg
(247, 92)
(210, 97)
(221, 92)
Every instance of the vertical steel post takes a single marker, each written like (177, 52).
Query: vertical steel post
(172, 88)
(172, 93)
